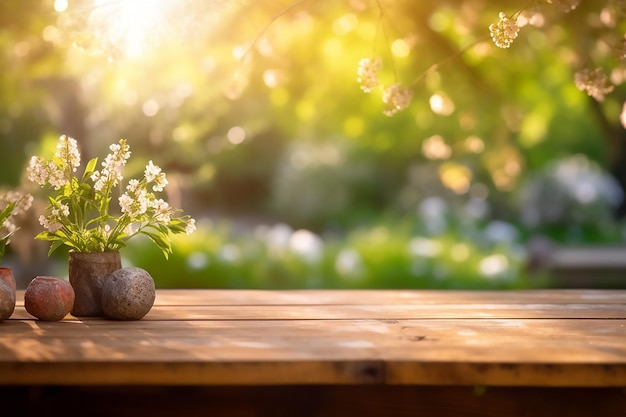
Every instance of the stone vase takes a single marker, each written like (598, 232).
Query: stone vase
(87, 272)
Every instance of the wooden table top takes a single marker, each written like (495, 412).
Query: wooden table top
(542, 338)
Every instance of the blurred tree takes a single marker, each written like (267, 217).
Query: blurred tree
(231, 112)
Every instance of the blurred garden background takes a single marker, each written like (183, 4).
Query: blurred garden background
(295, 176)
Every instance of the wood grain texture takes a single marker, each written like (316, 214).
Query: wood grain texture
(379, 297)
(560, 338)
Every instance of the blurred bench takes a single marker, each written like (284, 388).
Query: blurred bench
(588, 266)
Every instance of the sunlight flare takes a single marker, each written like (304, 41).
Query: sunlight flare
(131, 25)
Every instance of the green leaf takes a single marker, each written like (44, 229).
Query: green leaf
(89, 169)
(3, 246)
(55, 245)
(6, 213)
(161, 241)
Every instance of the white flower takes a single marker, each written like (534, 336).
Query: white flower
(8, 226)
(43, 172)
(594, 82)
(191, 226)
(100, 179)
(56, 177)
(126, 204)
(22, 201)
(64, 210)
(134, 201)
(367, 73)
(38, 171)
(111, 173)
(162, 210)
(132, 186)
(49, 224)
(396, 97)
(504, 32)
(153, 174)
(67, 152)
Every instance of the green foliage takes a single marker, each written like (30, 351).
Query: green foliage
(395, 254)
(13, 204)
(4, 216)
(268, 121)
(79, 214)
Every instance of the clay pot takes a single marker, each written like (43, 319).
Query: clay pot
(6, 275)
(7, 293)
(87, 272)
(49, 298)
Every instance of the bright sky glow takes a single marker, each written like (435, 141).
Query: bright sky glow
(60, 5)
(130, 25)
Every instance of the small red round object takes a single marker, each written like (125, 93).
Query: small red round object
(49, 298)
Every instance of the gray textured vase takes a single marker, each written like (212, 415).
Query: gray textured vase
(87, 272)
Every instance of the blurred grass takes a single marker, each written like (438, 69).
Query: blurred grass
(377, 256)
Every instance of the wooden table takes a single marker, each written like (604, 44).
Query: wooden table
(327, 353)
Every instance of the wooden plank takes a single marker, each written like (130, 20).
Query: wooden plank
(315, 401)
(210, 297)
(381, 297)
(543, 338)
(383, 312)
(472, 352)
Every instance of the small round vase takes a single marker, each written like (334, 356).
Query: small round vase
(7, 293)
(6, 275)
(87, 272)
(48, 298)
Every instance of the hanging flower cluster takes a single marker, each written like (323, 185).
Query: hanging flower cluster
(396, 97)
(367, 73)
(594, 82)
(504, 32)
(79, 215)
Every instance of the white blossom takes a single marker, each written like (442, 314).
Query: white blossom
(134, 201)
(49, 224)
(67, 152)
(396, 97)
(111, 173)
(190, 227)
(162, 210)
(504, 32)
(594, 82)
(367, 73)
(153, 174)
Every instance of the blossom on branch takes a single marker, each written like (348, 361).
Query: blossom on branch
(594, 82)
(367, 73)
(396, 97)
(504, 32)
